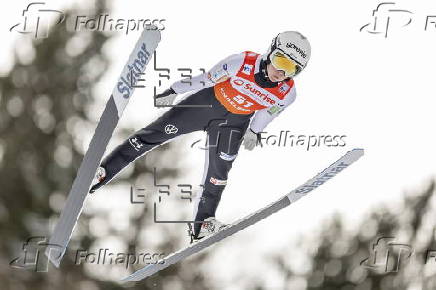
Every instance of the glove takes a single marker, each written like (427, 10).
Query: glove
(165, 99)
(250, 139)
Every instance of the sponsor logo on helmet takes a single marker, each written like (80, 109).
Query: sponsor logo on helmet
(297, 49)
(227, 157)
(215, 181)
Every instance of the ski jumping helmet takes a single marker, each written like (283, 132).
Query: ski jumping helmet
(290, 52)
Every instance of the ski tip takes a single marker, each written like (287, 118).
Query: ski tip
(356, 152)
(152, 29)
(358, 149)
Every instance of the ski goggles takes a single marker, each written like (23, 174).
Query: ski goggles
(283, 62)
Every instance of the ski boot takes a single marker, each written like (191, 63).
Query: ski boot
(97, 182)
(209, 226)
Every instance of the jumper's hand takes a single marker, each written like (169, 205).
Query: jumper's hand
(250, 139)
(165, 99)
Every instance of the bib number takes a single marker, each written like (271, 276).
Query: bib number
(242, 101)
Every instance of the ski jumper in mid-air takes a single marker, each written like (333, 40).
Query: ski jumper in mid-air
(233, 103)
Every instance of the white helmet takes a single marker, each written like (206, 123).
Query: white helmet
(290, 50)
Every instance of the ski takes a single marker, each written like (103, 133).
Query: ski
(293, 196)
(119, 99)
